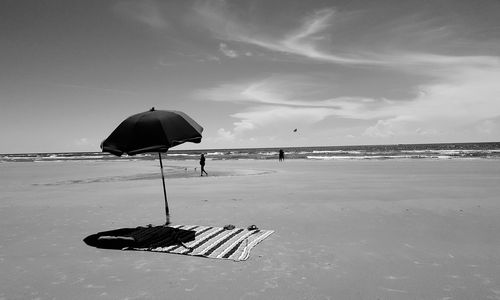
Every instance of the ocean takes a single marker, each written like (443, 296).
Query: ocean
(489, 150)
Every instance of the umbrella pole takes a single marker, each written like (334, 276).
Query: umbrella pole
(167, 213)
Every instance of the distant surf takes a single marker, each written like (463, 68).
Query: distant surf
(364, 152)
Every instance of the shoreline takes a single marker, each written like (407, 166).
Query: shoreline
(400, 151)
(286, 147)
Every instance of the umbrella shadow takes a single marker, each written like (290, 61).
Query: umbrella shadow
(140, 237)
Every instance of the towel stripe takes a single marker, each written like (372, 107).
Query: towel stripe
(219, 231)
(246, 251)
(173, 248)
(234, 246)
(201, 234)
(207, 251)
(212, 242)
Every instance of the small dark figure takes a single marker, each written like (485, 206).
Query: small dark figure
(202, 164)
(281, 155)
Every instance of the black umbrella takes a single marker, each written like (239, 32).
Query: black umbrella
(153, 131)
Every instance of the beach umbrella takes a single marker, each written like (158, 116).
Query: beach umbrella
(153, 131)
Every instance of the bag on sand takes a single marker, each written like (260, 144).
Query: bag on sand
(140, 237)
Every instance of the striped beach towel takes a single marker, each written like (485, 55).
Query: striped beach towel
(215, 242)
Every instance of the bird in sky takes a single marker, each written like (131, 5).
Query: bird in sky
(295, 130)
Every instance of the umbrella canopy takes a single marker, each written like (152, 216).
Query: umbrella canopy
(153, 131)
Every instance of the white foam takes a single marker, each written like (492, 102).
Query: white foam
(215, 153)
(336, 152)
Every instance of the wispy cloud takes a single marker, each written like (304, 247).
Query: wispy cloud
(227, 52)
(82, 142)
(466, 98)
(456, 87)
(460, 89)
(317, 36)
(301, 41)
(306, 39)
(181, 58)
(295, 92)
(267, 117)
(282, 101)
(147, 12)
(314, 38)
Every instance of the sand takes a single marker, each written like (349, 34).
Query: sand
(392, 229)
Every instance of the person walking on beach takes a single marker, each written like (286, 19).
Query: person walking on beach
(281, 155)
(202, 164)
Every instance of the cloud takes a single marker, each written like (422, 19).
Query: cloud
(146, 12)
(293, 91)
(451, 86)
(183, 57)
(231, 53)
(397, 127)
(224, 134)
(267, 117)
(210, 58)
(227, 52)
(301, 41)
(383, 128)
(82, 142)
(464, 97)
(320, 36)
(465, 94)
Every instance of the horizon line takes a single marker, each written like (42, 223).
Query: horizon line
(275, 147)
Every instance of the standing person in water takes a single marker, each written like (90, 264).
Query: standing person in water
(281, 155)
(202, 164)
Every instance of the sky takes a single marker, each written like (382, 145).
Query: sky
(250, 72)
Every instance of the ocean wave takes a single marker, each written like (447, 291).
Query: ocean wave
(336, 152)
(215, 153)
(268, 153)
(52, 157)
(383, 157)
(400, 151)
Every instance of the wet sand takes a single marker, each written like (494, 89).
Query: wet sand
(390, 229)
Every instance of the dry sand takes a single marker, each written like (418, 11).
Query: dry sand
(395, 229)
